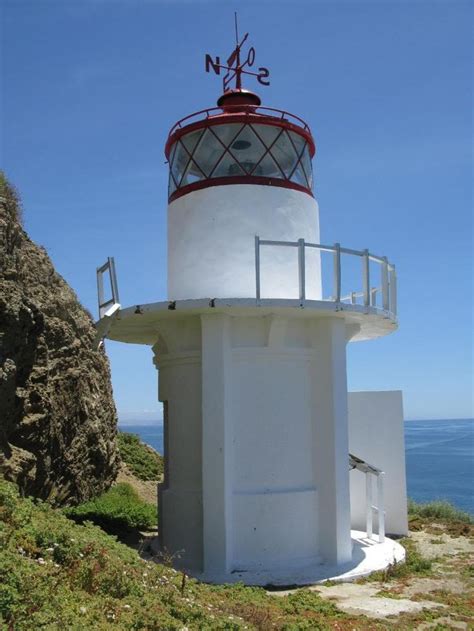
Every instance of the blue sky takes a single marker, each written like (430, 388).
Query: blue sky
(91, 88)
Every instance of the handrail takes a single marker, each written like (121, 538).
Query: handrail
(369, 470)
(107, 307)
(388, 277)
(240, 109)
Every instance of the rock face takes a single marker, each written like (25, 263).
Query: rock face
(58, 421)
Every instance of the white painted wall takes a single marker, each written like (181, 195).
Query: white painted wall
(257, 420)
(376, 434)
(211, 242)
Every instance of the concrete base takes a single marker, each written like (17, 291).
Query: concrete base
(367, 556)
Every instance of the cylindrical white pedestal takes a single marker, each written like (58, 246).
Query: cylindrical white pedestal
(211, 242)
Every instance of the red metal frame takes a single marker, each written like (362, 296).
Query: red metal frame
(240, 114)
(238, 179)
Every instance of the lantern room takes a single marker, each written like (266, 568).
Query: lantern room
(240, 142)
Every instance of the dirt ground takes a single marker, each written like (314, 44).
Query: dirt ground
(443, 599)
(146, 489)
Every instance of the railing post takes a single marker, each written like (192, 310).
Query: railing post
(337, 273)
(393, 290)
(385, 296)
(100, 289)
(368, 504)
(353, 298)
(113, 279)
(366, 277)
(373, 296)
(380, 507)
(257, 267)
(301, 269)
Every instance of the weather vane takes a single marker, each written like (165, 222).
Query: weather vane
(235, 66)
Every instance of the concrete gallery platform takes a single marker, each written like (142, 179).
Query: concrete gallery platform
(368, 556)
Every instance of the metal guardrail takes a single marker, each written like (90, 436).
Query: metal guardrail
(243, 110)
(107, 306)
(388, 276)
(370, 472)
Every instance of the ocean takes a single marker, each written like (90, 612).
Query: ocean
(439, 458)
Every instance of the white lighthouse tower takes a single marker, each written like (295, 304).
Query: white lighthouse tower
(251, 352)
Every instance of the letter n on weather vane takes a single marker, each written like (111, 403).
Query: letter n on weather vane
(236, 65)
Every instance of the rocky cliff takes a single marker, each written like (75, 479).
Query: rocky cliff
(57, 415)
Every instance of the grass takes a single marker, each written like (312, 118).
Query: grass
(144, 462)
(117, 510)
(439, 509)
(57, 574)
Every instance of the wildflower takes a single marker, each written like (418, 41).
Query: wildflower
(72, 540)
(82, 610)
(126, 607)
(20, 550)
(55, 545)
(81, 555)
(49, 549)
(110, 615)
(41, 561)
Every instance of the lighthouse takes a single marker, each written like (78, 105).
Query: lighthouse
(250, 348)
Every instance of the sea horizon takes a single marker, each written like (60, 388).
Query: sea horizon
(130, 423)
(439, 457)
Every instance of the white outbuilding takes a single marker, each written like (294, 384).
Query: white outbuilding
(269, 462)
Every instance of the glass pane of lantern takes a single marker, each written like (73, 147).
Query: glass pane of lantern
(228, 167)
(171, 186)
(299, 176)
(267, 133)
(247, 149)
(306, 163)
(192, 174)
(268, 168)
(190, 140)
(285, 154)
(179, 162)
(298, 141)
(208, 151)
(227, 133)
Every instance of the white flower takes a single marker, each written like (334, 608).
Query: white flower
(81, 555)
(41, 561)
(72, 540)
(126, 607)
(20, 550)
(82, 610)
(49, 549)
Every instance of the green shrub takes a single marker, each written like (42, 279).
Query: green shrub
(438, 509)
(142, 460)
(118, 509)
